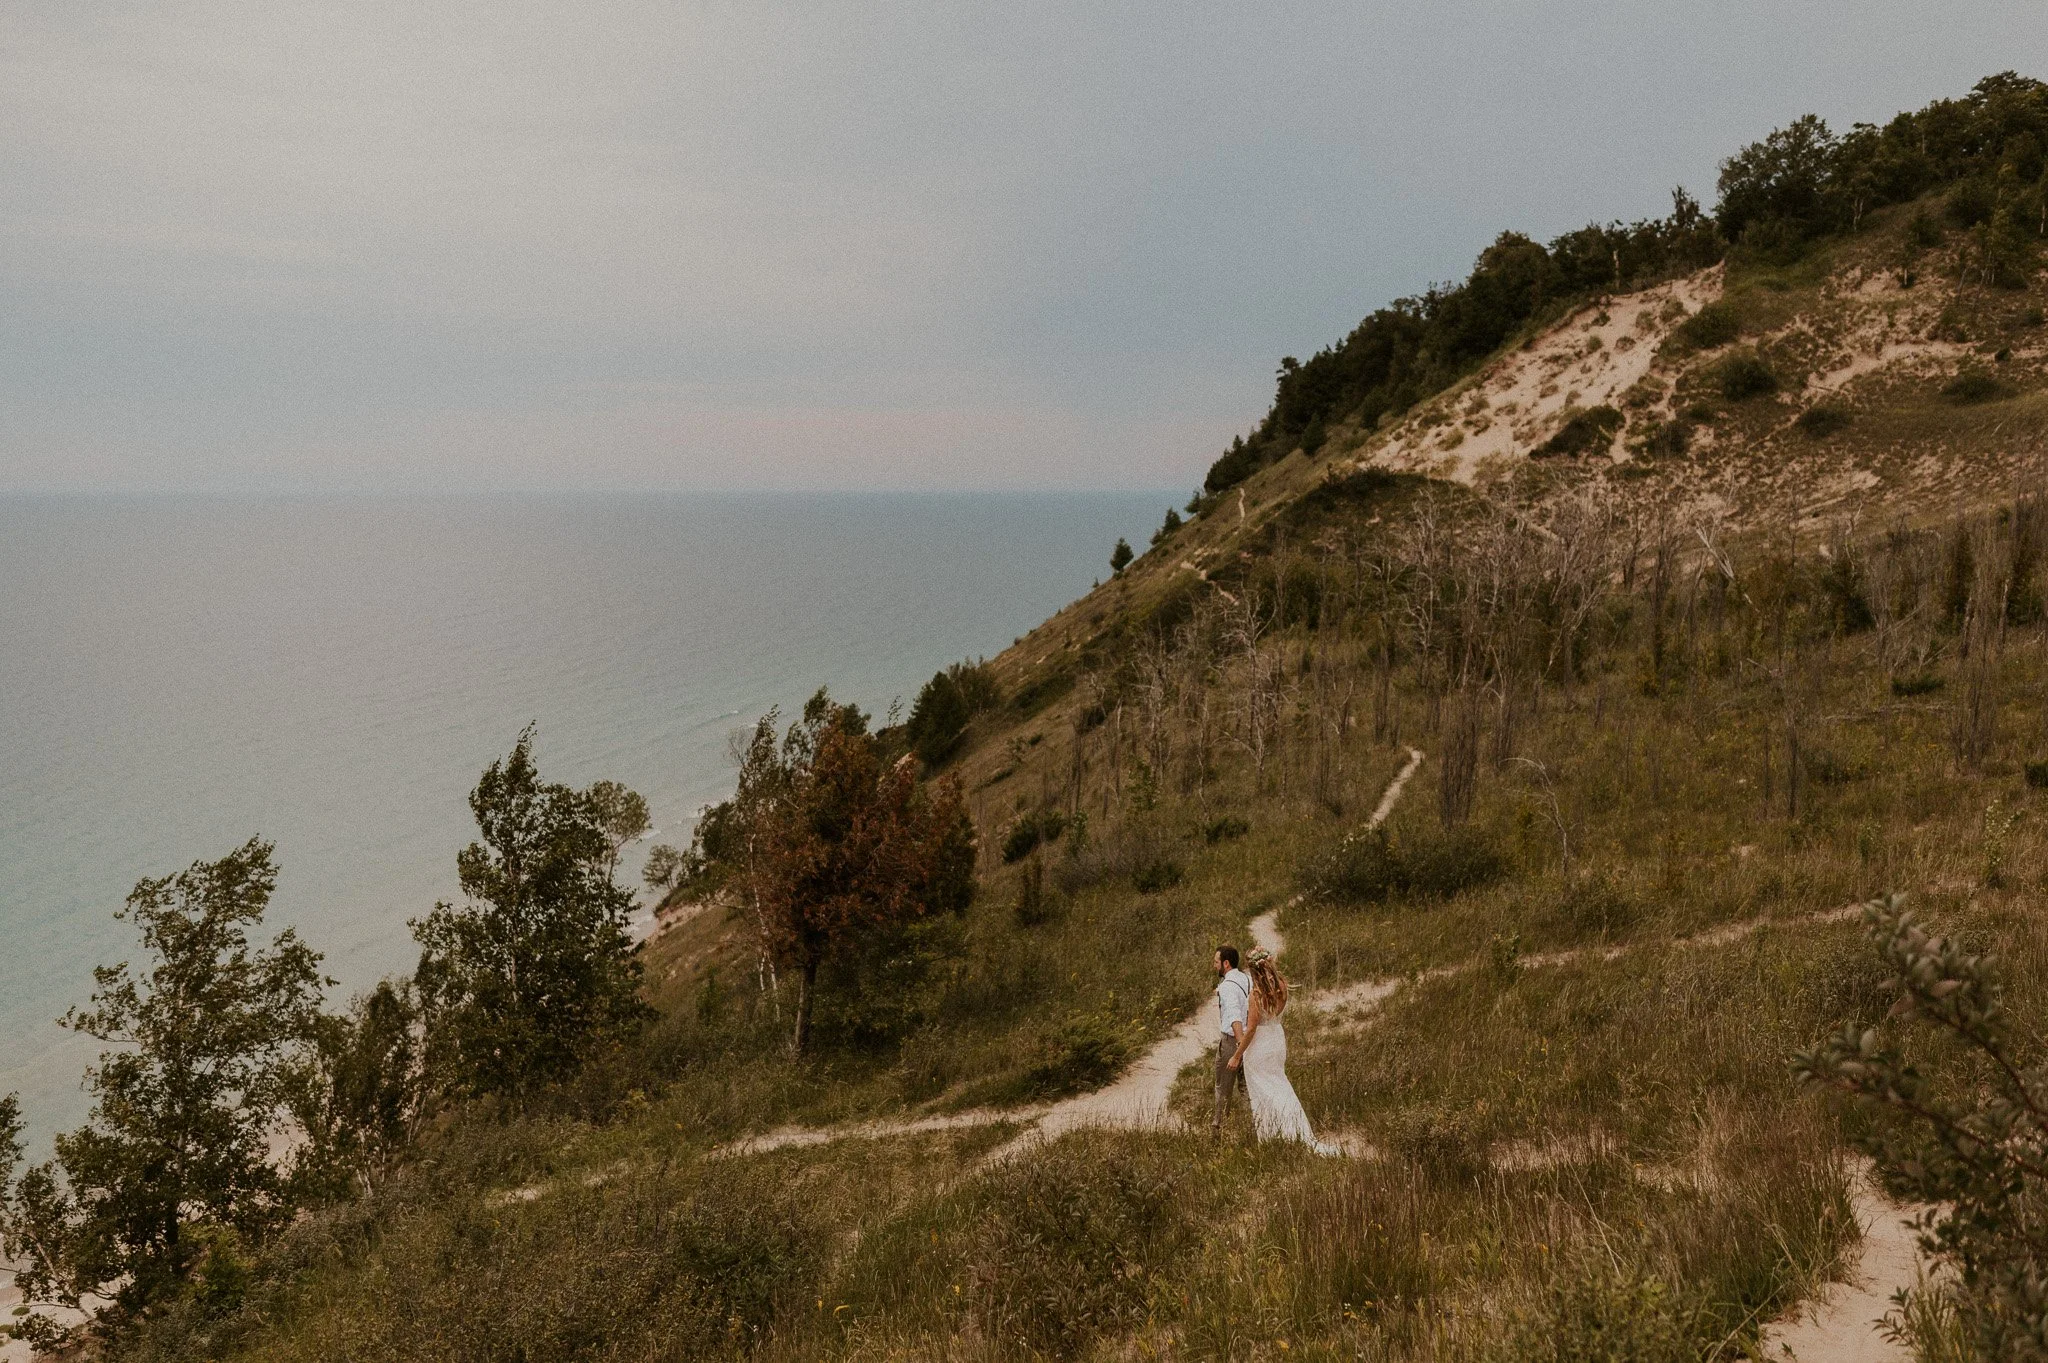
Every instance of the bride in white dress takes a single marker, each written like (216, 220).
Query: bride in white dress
(1262, 1056)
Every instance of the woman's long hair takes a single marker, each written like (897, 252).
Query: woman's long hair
(1271, 989)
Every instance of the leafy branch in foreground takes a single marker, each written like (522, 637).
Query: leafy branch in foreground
(1974, 1149)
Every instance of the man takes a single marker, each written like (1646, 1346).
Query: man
(1233, 1011)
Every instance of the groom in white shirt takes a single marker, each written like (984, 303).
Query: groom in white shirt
(1233, 1012)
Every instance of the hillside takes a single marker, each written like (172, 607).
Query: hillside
(1694, 615)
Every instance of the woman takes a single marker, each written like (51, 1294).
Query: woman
(1262, 1058)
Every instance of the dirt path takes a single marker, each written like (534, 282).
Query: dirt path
(1840, 1325)
(1136, 1101)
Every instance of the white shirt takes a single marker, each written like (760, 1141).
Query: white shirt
(1234, 999)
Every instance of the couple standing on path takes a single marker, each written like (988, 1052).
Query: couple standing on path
(1253, 1045)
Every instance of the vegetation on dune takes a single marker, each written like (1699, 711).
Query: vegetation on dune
(1987, 153)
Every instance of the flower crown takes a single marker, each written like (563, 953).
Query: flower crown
(1259, 957)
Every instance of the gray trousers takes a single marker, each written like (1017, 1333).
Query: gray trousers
(1227, 1079)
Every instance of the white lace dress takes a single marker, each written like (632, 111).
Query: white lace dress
(1276, 1112)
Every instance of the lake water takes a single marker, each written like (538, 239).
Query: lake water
(332, 673)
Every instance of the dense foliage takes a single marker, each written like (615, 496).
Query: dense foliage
(825, 846)
(1988, 153)
(219, 1050)
(521, 984)
(210, 1041)
(944, 707)
(1976, 1155)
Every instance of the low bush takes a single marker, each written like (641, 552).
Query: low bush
(1973, 386)
(1226, 829)
(1156, 874)
(1743, 376)
(1972, 201)
(1825, 768)
(2037, 775)
(1601, 905)
(1600, 1310)
(1030, 830)
(1586, 432)
(645, 1264)
(1668, 439)
(1374, 865)
(1035, 906)
(1446, 1139)
(1824, 419)
(1916, 684)
(1716, 324)
(1084, 1052)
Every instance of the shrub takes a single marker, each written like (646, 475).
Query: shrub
(1584, 432)
(1842, 587)
(1972, 386)
(945, 704)
(1599, 1310)
(1824, 768)
(1167, 527)
(1225, 829)
(2037, 775)
(1824, 419)
(1716, 324)
(1601, 905)
(1074, 1244)
(1374, 865)
(1029, 831)
(1084, 1052)
(1444, 1138)
(1972, 201)
(938, 719)
(1743, 376)
(1443, 864)
(1034, 906)
(1156, 874)
(1916, 684)
(1668, 439)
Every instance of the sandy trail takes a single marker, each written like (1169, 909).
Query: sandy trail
(1840, 1325)
(1136, 1101)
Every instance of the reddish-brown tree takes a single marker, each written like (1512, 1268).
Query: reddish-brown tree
(854, 846)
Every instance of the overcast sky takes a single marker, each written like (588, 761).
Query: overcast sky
(267, 244)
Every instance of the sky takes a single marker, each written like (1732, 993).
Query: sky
(270, 245)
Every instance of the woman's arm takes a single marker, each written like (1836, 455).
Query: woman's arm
(1251, 1024)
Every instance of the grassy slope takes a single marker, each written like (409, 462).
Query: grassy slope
(1610, 1139)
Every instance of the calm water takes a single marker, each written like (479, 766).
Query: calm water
(177, 675)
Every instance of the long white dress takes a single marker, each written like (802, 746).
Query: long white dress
(1276, 1112)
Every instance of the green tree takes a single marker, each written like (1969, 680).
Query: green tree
(367, 1095)
(1780, 182)
(522, 984)
(1120, 557)
(1167, 526)
(622, 814)
(213, 1043)
(938, 719)
(826, 846)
